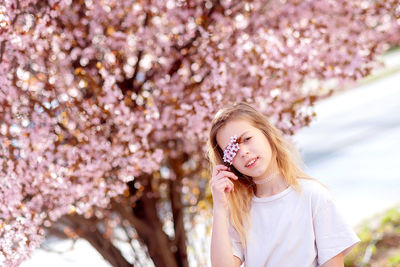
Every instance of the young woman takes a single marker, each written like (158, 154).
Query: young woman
(267, 211)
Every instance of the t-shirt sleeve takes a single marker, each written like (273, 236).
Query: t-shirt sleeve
(237, 248)
(333, 234)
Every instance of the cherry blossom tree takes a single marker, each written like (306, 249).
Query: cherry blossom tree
(105, 106)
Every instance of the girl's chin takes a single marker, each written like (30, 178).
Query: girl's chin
(255, 173)
(252, 173)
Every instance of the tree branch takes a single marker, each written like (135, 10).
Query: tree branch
(177, 211)
(138, 223)
(96, 238)
(2, 49)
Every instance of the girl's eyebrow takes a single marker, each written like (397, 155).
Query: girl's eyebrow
(240, 137)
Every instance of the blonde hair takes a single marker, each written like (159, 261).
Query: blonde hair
(286, 155)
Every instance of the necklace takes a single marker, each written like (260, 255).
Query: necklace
(265, 180)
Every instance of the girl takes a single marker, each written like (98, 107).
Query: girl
(267, 211)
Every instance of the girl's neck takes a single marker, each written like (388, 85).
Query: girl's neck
(274, 186)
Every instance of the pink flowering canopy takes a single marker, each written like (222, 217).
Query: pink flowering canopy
(96, 93)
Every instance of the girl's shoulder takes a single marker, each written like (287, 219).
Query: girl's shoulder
(314, 188)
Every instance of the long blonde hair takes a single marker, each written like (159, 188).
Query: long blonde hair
(286, 155)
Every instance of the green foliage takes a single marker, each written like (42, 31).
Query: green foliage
(392, 217)
(374, 241)
(394, 261)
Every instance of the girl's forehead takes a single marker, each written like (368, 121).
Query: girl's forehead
(237, 125)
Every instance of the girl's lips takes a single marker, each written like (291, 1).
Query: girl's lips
(254, 163)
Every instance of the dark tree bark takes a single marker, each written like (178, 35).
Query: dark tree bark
(177, 213)
(162, 250)
(87, 229)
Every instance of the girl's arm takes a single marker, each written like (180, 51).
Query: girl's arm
(221, 250)
(336, 261)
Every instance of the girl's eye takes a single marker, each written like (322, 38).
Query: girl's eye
(248, 138)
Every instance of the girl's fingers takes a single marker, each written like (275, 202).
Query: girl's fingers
(221, 177)
(224, 184)
(224, 174)
(221, 180)
(228, 186)
(218, 168)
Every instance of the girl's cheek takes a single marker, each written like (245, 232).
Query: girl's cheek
(234, 163)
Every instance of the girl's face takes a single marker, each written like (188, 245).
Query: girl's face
(254, 157)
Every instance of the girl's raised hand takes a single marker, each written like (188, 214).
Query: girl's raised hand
(221, 185)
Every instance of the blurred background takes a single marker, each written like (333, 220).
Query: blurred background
(353, 147)
(105, 108)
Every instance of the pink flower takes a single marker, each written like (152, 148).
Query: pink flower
(231, 149)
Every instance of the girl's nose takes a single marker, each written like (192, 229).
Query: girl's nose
(243, 151)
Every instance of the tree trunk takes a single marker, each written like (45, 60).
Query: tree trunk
(177, 213)
(144, 219)
(157, 241)
(104, 246)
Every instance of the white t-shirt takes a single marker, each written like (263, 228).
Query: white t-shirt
(294, 229)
